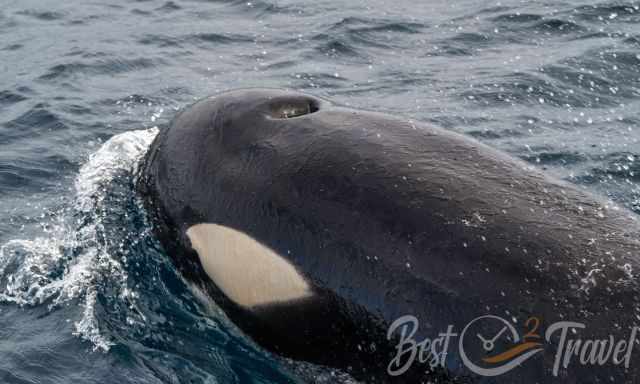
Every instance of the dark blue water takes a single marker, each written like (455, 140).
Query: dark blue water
(87, 295)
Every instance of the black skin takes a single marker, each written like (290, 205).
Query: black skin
(387, 217)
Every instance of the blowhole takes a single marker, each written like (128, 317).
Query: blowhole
(294, 108)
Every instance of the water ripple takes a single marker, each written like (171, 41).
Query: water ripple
(42, 15)
(627, 13)
(38, 120)
(7, 98)
(99, 67)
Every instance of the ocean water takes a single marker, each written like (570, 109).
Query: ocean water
(87, 294)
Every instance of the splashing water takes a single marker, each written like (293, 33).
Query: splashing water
(74, 262)
(100, 256)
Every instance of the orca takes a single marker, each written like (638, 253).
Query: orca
(316, 227)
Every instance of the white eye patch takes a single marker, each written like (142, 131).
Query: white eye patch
(249, 273)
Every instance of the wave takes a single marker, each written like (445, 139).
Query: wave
(76, 258)
(99, 254)
(99, 67)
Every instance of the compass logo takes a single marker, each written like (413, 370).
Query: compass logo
(494, 362)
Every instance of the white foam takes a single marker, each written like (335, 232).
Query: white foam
(74, 259)
(121, 152)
